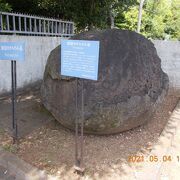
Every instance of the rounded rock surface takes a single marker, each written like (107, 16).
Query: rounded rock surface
(130, 84)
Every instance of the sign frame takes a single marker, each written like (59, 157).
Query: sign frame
(13, 51)
(80, 59)
(83, 53)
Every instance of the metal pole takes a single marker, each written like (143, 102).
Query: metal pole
(140, 16)
(82, 124)
(15, 100)
(76, 127)
(14, 83)
(12, 87)
(79, 155)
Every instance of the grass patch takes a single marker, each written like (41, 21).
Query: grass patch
(12, 148)
(2, 131)
(40, 108)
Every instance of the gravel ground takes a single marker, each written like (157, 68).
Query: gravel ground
(51, 147)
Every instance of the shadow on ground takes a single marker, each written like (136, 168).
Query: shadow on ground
(49, 146)
(29, 112)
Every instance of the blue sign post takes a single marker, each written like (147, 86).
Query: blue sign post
(80, 59)
(13, 51)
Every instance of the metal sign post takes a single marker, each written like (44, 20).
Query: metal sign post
(14, 84)
(79, 132)
(15, 51)
(80, 59)
(77, 163)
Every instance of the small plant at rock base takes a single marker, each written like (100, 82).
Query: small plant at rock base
(13, 148)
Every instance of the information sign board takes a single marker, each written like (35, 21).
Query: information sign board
(80, 58)
(12, 51)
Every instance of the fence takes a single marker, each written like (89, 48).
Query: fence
(12, 23)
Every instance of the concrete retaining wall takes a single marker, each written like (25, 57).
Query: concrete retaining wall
(169, 52)
(38, 49)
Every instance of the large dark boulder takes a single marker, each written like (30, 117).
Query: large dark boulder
(131, 84)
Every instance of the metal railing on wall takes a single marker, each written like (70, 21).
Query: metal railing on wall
(15, 23)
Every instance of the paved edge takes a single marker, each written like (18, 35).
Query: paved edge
(21, 169)
(148, 171)
(151, 170)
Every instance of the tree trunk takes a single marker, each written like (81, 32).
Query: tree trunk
(91, 25)
(140, 15)
(111, 18)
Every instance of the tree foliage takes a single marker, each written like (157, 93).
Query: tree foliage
(4, 6)
(86, 14)
(160, 18)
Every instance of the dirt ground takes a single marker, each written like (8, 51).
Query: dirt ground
(49, 146)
